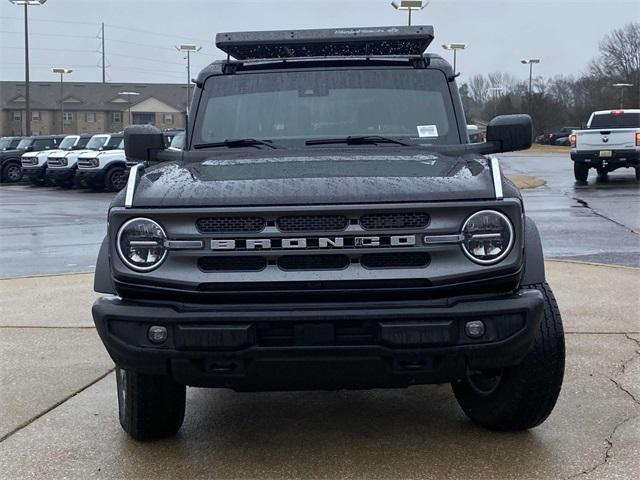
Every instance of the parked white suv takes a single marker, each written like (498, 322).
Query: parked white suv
(61, 163)
(103, 169)
(610, 141)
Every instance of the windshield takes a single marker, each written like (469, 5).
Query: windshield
(307, 105)
(121, 145)
(114, 141)
(25, 143)
(97, 142)
(616, 120)
(82, 142)
(177, 142)
(68, 142)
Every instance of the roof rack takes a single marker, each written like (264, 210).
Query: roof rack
(340, 42)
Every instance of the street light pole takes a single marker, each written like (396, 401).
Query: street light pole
(530, 62)
(455, 47)
(62, 72)
(409, 5)
(495, 91)
(26, 71)
(129, 95)
(622, 86)
(188, 49)
(26, 4)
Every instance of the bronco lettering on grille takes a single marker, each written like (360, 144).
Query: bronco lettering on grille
(314, 242)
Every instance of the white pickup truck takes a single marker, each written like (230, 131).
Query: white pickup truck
(610, 141)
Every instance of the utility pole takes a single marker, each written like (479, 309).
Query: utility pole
(104, 75)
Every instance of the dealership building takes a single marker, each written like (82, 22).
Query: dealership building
(90, 107)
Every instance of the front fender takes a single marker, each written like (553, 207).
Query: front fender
(102, 282)
(533, 255)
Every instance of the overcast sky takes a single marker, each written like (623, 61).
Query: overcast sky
(140, 34)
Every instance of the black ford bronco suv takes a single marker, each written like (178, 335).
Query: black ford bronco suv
(328, 225)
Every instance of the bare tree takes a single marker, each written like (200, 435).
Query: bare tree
(620, 55)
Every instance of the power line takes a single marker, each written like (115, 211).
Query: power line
(50, 49)
(149, 32)
(48, 34)
(47, 21)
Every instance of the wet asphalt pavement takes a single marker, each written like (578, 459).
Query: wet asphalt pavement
(47, 230)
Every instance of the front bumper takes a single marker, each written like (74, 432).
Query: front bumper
(35, 173)
(61, 174)
(90, 177)
(618, 158)
(319, 346)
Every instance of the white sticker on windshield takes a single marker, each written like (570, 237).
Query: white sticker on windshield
(427, 131)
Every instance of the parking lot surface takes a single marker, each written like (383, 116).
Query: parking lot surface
(59, 414)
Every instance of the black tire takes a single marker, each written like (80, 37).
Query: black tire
(603, 175)
(524, 395)
(150, 407)
(12, 172)
(580, 172)
(115, 179)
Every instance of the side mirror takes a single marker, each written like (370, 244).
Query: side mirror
(511, 132)
(142, 143)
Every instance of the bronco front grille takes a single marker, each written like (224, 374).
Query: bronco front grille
(395, 220)
(395, 260)
(232, 264)
(313, 262)
(230, 224)
(54, 162)
(312, 223)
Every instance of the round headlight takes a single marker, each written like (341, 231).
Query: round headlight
(140, 244)
(488, 237)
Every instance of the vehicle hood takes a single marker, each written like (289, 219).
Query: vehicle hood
(11, 153)
(315, 178)
(31, 154)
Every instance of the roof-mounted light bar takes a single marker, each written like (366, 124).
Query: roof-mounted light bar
(337, 42)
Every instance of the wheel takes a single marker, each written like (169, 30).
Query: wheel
(519, 397)
(603, 174)
(580, 172)
(12, 173)
(115, 179)
(149, 406)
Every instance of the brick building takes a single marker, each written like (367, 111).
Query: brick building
(90, 107)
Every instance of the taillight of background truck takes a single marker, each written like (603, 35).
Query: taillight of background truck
(573, 137)
(637, 139)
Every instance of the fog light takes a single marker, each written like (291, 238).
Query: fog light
(474, 329)
(157, 334)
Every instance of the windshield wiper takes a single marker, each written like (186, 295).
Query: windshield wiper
(358, 140)
(236, 143)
